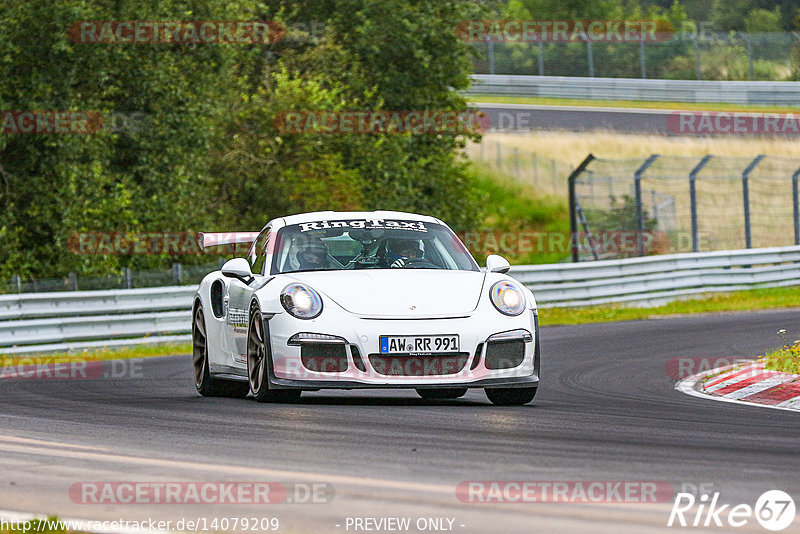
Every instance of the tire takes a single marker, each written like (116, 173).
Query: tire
(257, 366)
(510, 396)
(441, 393)
(203, 381)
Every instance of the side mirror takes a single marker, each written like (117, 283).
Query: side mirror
(237, 268)
(497, 264)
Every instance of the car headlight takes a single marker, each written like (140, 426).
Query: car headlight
(507, 298)
(301, 301)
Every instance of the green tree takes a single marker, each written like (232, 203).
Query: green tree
(208, 156)
(729, 15)
(763, 20)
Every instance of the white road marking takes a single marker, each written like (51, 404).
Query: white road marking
(232, 469)
(362, 482)
(43, 443)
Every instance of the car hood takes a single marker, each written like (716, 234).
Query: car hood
(399, 293)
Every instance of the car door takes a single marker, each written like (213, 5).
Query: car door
(240, 294)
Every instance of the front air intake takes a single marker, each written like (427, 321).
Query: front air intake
(323, 357)
(504, 354)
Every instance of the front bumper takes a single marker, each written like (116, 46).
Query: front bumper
(360, 337)
(523, 382)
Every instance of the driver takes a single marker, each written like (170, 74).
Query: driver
(402, 250)
(312, 256)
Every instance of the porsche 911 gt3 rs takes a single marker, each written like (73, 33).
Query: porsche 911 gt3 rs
(348, 300)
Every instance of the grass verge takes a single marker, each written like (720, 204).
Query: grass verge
(688, 106)
(106, 353)
(51, 525)
(754, 299)
(572, 147)
(511, 210)
(786, 358)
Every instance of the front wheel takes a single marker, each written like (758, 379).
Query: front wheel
(441, 393)
(257, 366)
(205, 384)
(510, 396)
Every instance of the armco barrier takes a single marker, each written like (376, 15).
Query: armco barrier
(42, 322)
(658, 279)
(62, 321)
(776, 93)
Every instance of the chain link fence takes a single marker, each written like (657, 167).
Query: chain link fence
(546, 175)
(705, 55)
(669, 204)
(127, 279)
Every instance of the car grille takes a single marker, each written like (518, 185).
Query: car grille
(476, 360)
(357, 359)
(427, 365)
(324, 358)
(504, 354)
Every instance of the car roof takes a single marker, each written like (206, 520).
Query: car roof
(347, 215)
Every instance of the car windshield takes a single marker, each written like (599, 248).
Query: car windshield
(369, 244)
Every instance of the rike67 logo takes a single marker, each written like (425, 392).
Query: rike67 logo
(774, 510)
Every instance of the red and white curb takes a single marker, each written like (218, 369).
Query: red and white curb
(746, 383)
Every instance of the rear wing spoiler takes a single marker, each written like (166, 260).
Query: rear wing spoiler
(209, 239)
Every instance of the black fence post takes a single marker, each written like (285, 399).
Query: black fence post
(693, 199)
(637, 181)
(642, 58)
(573, 215)
(177, 273)
(541, 58)
(491, 55)
(698, 71)
(751, 73)
(746, 199)
(796, 206)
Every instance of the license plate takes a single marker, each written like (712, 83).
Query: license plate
(419, 344)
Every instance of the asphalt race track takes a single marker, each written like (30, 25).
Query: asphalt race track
(606, 411)
(517, 118)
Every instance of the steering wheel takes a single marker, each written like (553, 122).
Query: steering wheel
(418, 263)
(365, 262)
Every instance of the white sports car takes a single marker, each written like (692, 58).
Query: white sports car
(351, 300)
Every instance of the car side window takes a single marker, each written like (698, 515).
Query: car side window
(259, 252)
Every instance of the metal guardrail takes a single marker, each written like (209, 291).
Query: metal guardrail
(46, 322)
(659, 279)
(63, 321)
(776, 93)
